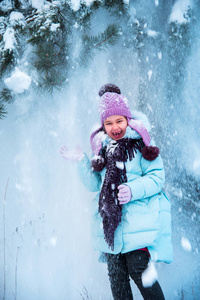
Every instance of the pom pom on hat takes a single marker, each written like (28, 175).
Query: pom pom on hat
(109, 87)
(148, 152)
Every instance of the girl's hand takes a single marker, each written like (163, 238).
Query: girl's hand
(124, 195)
(72, 155)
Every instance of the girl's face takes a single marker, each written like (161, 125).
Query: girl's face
(115, 126)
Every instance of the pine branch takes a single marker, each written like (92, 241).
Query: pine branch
(84, 14)
(46, 59)
(99, 42)
(117, 6)
(51, 81)
(49, 61)
(7, 61)
(39, 25)
(109, 36)
(16, 4)
(3, 111)
(6, 96)
(30, 18)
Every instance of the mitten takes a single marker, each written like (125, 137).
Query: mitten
(124, 195)
(72, 155)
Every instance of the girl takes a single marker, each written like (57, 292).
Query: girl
(131, 221)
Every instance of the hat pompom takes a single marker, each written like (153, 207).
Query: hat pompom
(98, 163)
(150, 153)
(109, 87)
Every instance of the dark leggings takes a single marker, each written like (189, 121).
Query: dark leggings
(121, 266)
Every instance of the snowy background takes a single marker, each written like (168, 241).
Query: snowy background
(45, 246)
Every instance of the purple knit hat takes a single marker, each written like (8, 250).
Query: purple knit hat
(112, 103)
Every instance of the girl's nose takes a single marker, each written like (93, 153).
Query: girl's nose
(115, 126)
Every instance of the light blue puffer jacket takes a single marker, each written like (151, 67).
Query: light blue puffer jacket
(146, 219)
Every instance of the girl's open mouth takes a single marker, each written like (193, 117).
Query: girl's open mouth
(117, 134)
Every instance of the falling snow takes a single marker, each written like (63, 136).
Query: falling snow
(48, 249)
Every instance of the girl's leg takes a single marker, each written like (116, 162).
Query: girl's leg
(119, 277)
(137, 262)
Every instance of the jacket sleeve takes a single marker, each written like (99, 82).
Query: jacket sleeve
(90, 179)
(151, 181)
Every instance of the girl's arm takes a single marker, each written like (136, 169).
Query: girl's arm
(151, 181)
(90, 179)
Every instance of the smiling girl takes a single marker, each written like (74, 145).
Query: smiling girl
(115, 127)
(131, 221)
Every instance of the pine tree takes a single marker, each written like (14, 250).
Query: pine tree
(49, 31)
(5, 97)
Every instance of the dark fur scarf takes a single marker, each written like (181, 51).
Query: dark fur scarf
(114, 157)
